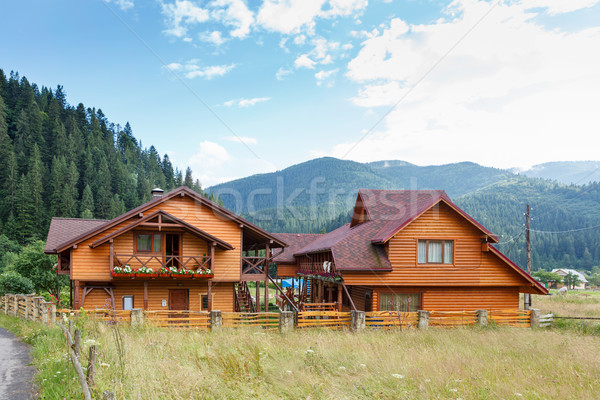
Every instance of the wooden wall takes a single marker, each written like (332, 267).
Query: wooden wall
(94, 264)
(222, 294)
(287, 270)
(471, 267)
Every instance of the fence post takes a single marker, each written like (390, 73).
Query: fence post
(36, 308)
(482, 317)
(423, 319)
(357, 320)
(534, 317)
(28, 305)
(77, 342)
(216, 320)
(16, 305)
(44, 312)
(6, 304)
(53, 314)
(137, 317)
(286, 322)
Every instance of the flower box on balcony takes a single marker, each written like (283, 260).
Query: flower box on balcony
(203, 275)
(144, 275)
(181, 276)
(121, 275)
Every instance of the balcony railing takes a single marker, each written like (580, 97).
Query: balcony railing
(313, 268)
(199, 264)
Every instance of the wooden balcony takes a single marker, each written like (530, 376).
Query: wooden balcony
(318, 269)
(198, 265)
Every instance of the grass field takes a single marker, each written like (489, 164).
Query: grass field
(474, 363)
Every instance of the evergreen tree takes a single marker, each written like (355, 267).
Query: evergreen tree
(87, 203)
(188, 181)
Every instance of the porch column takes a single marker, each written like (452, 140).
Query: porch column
(112, 255)
(145, 295)
(212, 257)
(257, 296)
(339, 297)
(209, 294)
(266, 277)
(77, 303)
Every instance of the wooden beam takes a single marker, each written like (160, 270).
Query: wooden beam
(209, 294)
(112, 256)
(339, 297)
(78, 304)
(145, 295)
(349, 297)
(266, 268)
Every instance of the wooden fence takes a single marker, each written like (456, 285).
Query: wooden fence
(391, 320)
(35, 308)
(267, 320)
(450, 319)
(178, 319)
(516, 318)
(323, 319)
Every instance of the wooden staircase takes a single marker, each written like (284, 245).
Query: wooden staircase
(243, 300)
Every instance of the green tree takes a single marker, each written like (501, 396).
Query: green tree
(546, 277)
(13, 283)
(32, 263)
(87, 203)
(595, 279)
(571, 280)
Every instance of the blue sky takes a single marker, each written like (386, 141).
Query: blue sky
(504, 84)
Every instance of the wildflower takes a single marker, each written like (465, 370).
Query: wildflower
(91, 342)
(454, 390)
(288, 372)
(518, 394)
(427, 380)
(310, 351)
(58, 372)
(363, 365)
(398, 376)
(104, 365)
(342, 368)
(458, 380)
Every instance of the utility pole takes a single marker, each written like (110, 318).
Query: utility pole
(527, 296)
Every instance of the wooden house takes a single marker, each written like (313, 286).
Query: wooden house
(406, 250)
(189, 253)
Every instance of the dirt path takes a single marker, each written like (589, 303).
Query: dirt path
(16, 376)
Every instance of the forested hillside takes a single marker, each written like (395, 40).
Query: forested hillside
(69, 161)
(318, 195)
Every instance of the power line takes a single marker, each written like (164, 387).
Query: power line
(566, 231)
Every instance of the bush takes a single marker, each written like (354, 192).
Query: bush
(12, 282)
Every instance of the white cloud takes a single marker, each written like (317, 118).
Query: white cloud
(295, 16)
(213, 164)
(300, 39)
(214, 37)
(233, 13)
(181, 14)
(512, 93)
(244, 139)
(122, 4)
(322, 76)
(192, 69)
(242, 103)
(304, 61)
(282, 73)
(554, 7)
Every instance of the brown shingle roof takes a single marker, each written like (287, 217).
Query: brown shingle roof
(295, 241)
(64, 230)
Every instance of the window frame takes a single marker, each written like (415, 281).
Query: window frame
(151, 234)
(443, 241)
(402, 291)
(129, 296)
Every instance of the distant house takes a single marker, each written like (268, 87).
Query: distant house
(217, 251)
(583, 283)
(406, 250)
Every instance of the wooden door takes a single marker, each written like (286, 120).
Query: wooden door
(179, 299)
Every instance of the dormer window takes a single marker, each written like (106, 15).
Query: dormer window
(436, 251)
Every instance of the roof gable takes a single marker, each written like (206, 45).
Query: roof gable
(180, 191)
(64, 230)
(165, 216)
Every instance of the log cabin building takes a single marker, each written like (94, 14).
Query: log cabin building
(189, 254)
(405, 250)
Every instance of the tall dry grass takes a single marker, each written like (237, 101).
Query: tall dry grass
(473, 363)
(573, 304)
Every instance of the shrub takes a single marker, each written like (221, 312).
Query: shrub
(12, 282)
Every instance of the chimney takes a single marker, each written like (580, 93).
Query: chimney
(157, 192)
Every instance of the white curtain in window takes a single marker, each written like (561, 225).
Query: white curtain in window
(435, 252)
(422, 251)
(448, 256)
(127, 302)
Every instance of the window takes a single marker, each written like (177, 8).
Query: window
(204, 302)
(399, 302)
(436, 252)
(127, 302)
(149, 242)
